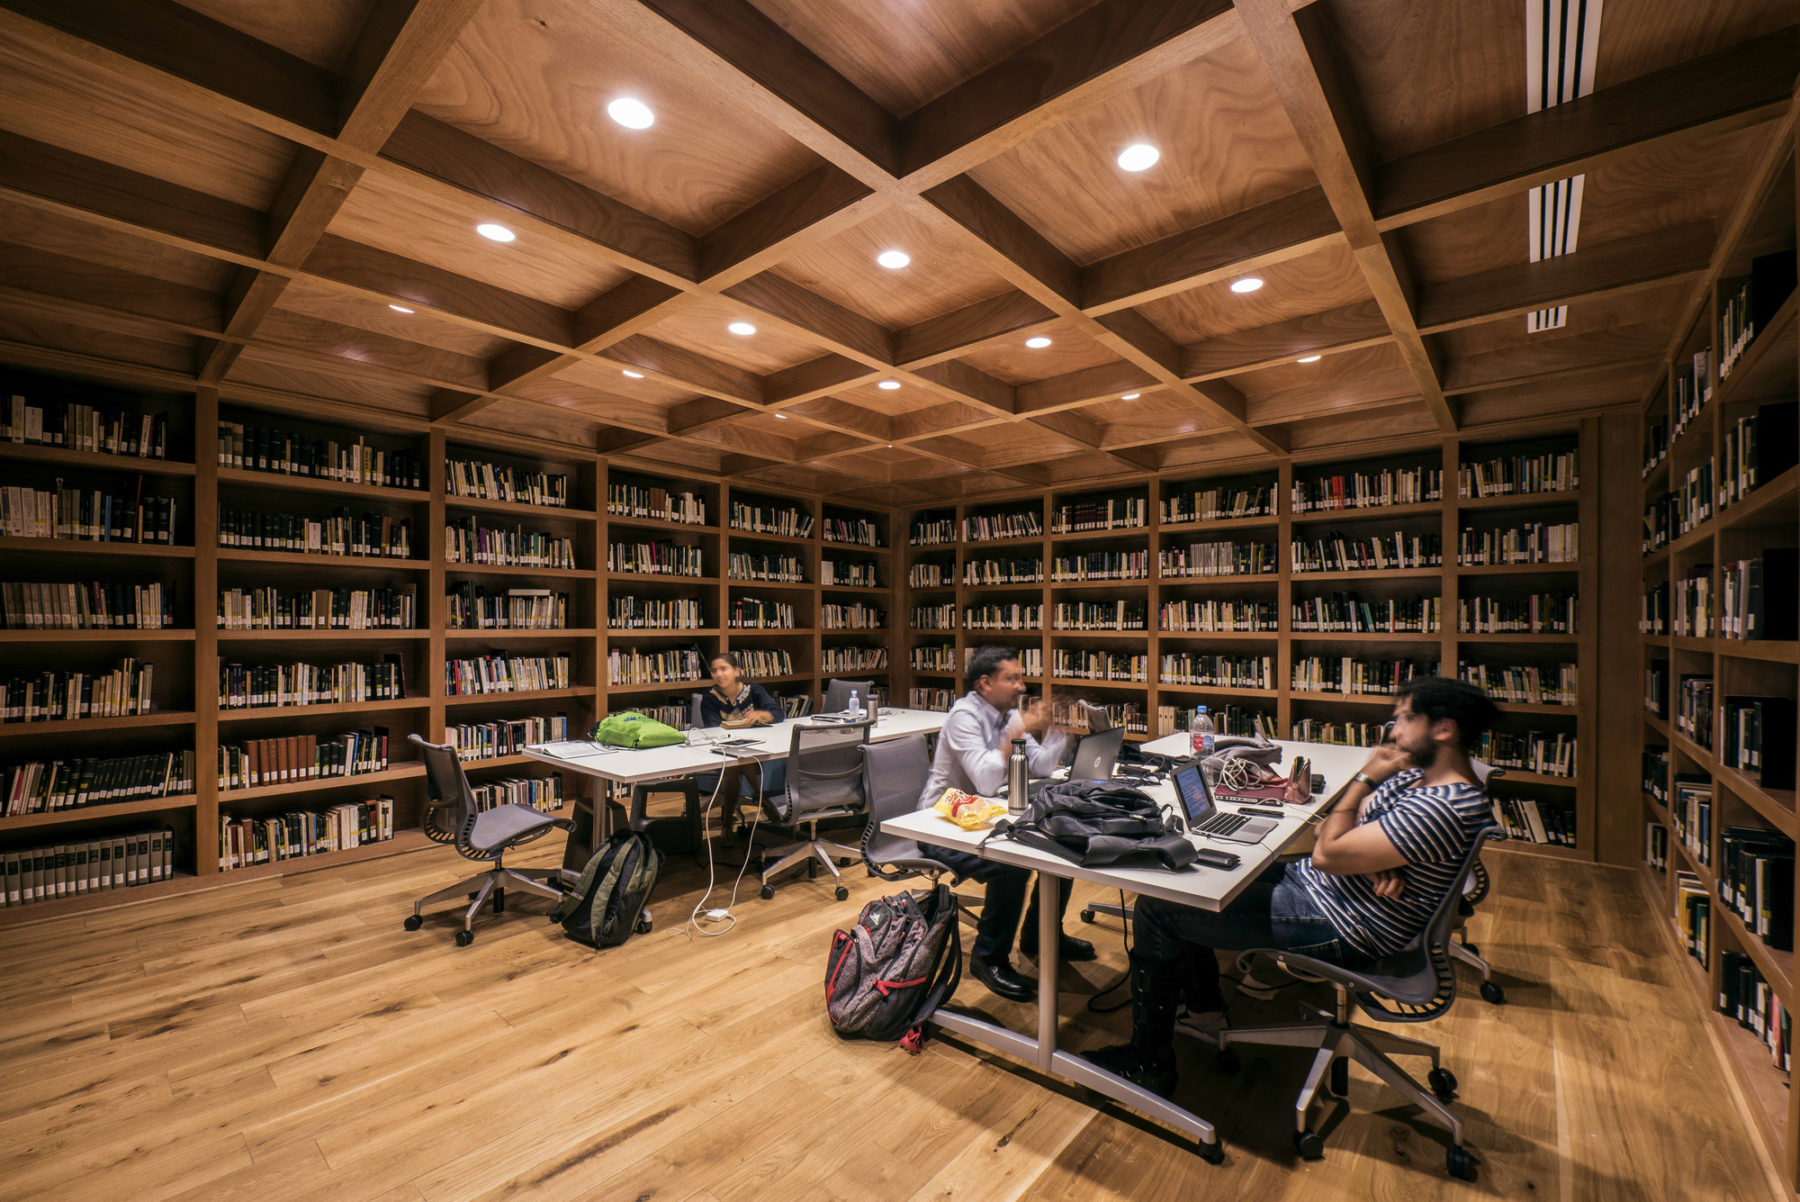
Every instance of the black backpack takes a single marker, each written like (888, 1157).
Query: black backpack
(608, 902)
(1094, 822)
(894, 968)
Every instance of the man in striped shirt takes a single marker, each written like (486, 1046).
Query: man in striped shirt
(1387, 851)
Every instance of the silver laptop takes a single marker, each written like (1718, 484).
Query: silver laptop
(1204, 818)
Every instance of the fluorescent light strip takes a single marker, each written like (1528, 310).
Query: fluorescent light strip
(1562, 40)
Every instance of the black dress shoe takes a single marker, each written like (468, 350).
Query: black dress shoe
(999, 977)
(1070, 949)
(1153, 1071)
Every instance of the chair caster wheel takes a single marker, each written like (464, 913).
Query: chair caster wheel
(843, 894)
(1087, 916)
(1491, 992)
(1442, 1082)
(1460, 1163)
(465, 938)
(768, 891)
(845, 862)
(1213, 1153)
(1338, 1080)
(1228, 1060)
(413, 922)
(643, 926)
(1309, 1145)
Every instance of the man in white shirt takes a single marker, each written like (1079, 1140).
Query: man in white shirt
(973, 751)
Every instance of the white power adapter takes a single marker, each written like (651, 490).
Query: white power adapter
(718, 915)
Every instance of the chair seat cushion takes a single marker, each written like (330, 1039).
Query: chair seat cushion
(504, 824)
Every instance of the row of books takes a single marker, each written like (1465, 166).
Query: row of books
(632, 666)
(930, 575)
(747, 566)
(86, 605)
(1513, 475)
(288, 758)
(1747, 306)
(506, 674)
(1337, 733)
(1528, 542)
(855, 616)
(859, 532)
(1224, 558)
(1101, 565)
(78, 426)
(510, 736)
(1656, 443)
(1534, 613)
(1336, 552)
(1360, 490)
(936, 700)
(1548, 753)
(1757, 448)
(1523, 683)
(255, 686)
(1102, 615)
(661, 558)
(1213, 616)
(544, 793)
(1694, 708)
(1348, 674)
(123, 691)
(1656, 846)
(770, 519)
(503, 482)
(88, 514)
(932, 533)
(751, 613)
(79, 867)
(1653, 611)
(1114, 513)
(245, 842)
(1693, 917)
(1128, 715)
(1756, 738)
(1229, 718)
(1691, 388)
(1001, 525)
(1532, 821)
(1758, 596)
(261, 448)
(269, 608)
(853, 659)
(1347, 613)
(1656, 688)
(1003, 571)
(640, 501)
(654, 613)
(761, 661)
(1756, 882)
(45, 786)
(469, 542)
(1691, 812)
(998, 616)
(1692, 598)
(377, 535)
(1228, 501)
(1218, 671)
(473, 607)
(1659, 522)
(848, 574)
(932, 617)
(1656, 773)
(1069, 664)
(934, 657)
(1694, 500)
(1745, 996)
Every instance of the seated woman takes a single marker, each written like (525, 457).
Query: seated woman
(734, 702)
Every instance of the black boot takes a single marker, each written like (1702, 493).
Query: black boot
(1149, 1059)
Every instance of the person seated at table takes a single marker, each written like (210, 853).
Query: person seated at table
(973, 751)
(735, 702)
(1387, 849)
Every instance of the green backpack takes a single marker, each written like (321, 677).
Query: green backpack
(632, 729)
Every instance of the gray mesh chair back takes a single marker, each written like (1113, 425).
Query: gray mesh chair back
(824, 772)
(894, 774)
(696, 716)
(837, 694)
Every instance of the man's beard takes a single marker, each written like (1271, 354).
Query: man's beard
(1422, 756)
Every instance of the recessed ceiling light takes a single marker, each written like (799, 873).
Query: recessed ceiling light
(781, 417)
(1309, 358)
(497, 233)
(742, 329)
(1248, 284)
(631, 112)
(1139, 156)
(1038, 343)
(893, 260)
(1131, 396)
(401, 309)
(629, 374)
(890, 385)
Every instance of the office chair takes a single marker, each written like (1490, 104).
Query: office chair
(837, 694)
(1415, 985)
(484, 836)
(894, 774)
(1474, 890)
(824, 781)
(695, 721)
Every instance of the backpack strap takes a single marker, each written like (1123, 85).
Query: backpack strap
(1032, 835)
(944, 983)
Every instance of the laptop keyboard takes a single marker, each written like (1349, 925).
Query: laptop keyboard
(1222, 823)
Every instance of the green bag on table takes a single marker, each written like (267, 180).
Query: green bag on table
(632, 729)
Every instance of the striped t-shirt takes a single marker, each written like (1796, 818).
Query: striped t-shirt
(1432, 826)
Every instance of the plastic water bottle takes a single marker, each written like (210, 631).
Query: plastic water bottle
(1017, 782)
(855, 706)
(1203, 734)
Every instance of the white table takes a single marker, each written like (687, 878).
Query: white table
(1200, 886)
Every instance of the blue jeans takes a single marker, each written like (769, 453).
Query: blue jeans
(1274, 911)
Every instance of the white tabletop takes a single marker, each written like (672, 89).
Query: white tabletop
(1200, 886)
(682, 759)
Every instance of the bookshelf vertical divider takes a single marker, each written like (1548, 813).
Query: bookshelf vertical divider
(206, 632)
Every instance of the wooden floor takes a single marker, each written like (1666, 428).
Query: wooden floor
(286, 1039)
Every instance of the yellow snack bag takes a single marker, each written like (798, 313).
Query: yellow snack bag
(967, 810)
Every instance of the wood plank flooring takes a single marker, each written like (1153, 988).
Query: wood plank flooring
(286, 1039)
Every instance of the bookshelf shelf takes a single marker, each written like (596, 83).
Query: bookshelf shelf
(380, 635)
(503, 635)
(1246, 579)
(1516, 569)
(1532, 500)
(78, 725)
(1365, 513)
(168, 635)
(1765, 1087)
(1521, 777)
(1767, 366)
(1301, 576)
(77, 546)
(1546, 640)
(1754, 508)
(320, 783)
(1775, 806)
(253, 713)
(615, 633)
(61, 457)
(658, 578)
(105, 899)
(1524, 847)
(1380, 699)
(1227, 690)
(119, 809)
(502, 761)
(1127, 582)
(1230, 636)
(673, 686)
(522, 695)
(1209, 525)
(380, 563)
(1316, 636)
(492, 569)
(1061, 633)
(1767, 651)
(662, 524)
(521, 509)
(1700, 755)
(316, 484)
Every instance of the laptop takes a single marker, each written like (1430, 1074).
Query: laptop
(1204, 818)
(1096, 753)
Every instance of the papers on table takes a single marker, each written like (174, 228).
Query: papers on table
(573, 749)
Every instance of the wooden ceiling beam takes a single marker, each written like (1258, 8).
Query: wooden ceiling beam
(689, 369)
(103, 289)
(1083, 387)
(823, 202)
(1540, 364)
(815, 378)
(962, 330)
(960, 382)
(1740, 86)
(1104, 51)
(834, 327)
(1347, 328)
(395, 54)
(1024, 256)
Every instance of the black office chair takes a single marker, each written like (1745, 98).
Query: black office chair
(894, 774)
(1474, 891)
(824, 782)
(837, 694)
(1415, 985)
(485, 836)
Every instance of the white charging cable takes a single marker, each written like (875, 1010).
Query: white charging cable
(725, 915)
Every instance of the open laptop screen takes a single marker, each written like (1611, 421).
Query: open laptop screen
(1096, 753)
(1196, 798)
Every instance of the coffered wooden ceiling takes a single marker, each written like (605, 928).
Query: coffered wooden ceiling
(236, 192)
